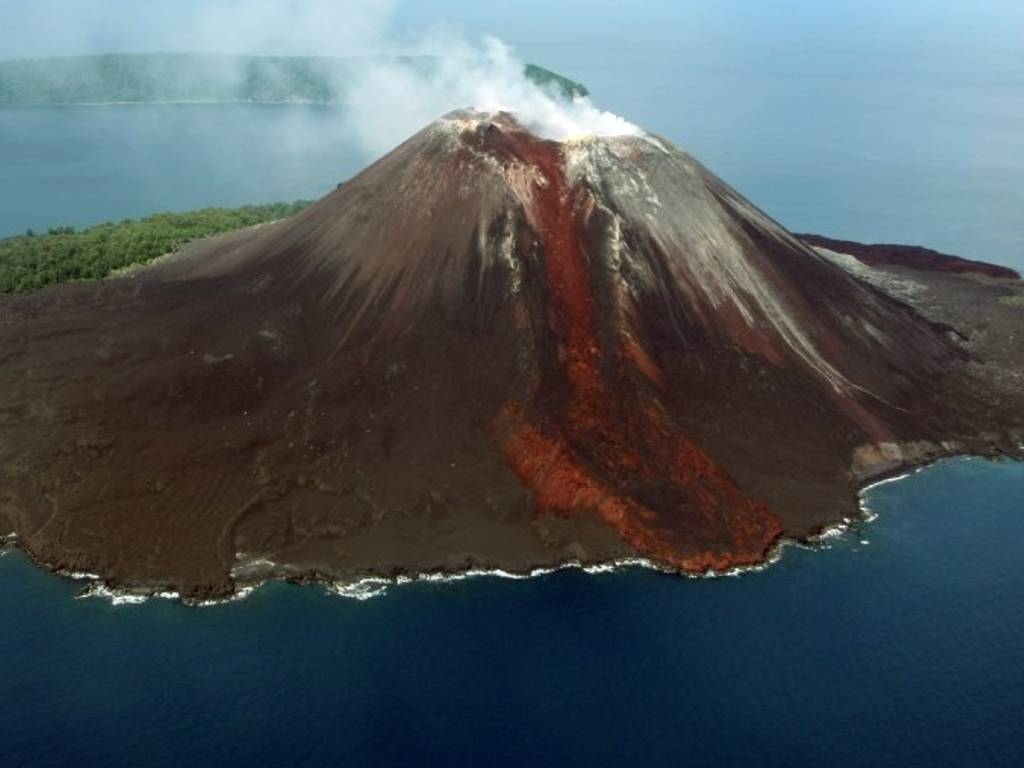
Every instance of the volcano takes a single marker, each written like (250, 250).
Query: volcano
(487, 350)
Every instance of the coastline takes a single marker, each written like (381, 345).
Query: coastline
(371, 586)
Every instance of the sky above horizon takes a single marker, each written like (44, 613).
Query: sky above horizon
(66, 27)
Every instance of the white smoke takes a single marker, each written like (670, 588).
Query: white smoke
(385, 97)
(389, 99)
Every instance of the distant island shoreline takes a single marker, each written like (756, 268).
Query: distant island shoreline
(207, 78)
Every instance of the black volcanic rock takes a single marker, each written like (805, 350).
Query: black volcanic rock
(911, 256)
(486, 350)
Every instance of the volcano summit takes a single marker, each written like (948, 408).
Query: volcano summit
(487, 350)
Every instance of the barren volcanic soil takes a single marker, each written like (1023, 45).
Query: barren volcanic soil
(486, 350)
(910, 256)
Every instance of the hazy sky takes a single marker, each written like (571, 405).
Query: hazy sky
(55, 27)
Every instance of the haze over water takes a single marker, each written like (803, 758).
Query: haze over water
(927, 158)
(865, 121)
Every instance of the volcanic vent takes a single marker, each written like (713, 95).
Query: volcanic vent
(486, 350)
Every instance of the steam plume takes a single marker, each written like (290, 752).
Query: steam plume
(390, 98)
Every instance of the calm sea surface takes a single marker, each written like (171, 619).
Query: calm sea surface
(900, 645)
(82, 165)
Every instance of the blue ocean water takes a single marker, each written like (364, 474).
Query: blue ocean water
(910, 143)
(876, 145)
(899, 645)
(82, 165)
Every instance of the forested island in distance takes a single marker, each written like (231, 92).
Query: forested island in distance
(203, 77)
(32, 260)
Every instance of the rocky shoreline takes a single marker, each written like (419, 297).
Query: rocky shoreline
(370, 585)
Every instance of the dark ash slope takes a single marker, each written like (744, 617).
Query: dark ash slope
(486, 350)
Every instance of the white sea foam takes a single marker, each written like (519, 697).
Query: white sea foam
(241, 593)
(836, 531)
(122, 597)
(360, 590)
(868, 514)
(377, 586)
(118, 596)
(77, 575)
(886, 480)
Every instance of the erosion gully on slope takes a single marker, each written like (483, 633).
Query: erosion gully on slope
(633, 445)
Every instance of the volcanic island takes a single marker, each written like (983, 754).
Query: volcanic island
(491, 350)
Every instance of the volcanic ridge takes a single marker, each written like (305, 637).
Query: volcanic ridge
(487, 350)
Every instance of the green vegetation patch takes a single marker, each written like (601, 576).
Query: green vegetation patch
(31, 261)
(1013, 301)
(563, 86)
